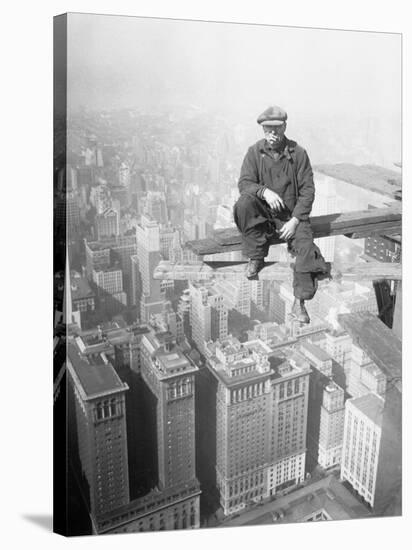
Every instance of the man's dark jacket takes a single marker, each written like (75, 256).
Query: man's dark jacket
(290, 176)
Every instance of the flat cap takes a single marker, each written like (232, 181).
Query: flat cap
(273, 116)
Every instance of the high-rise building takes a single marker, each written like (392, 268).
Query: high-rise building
(107, 224)
(277, 304)
(100, 197)
(243, 412)
(148, 256)
(364, 376)
(109, 283)
(256, 294)
(290, 390)
(208, 314)
(101, 428)
(156, 207)
(136, 292)
(170, 376)
(261, 410)
(168, 237)
(122, 248)
(332, 418)
(236, 294)
(338, 345)
(361, 444)
(97, 257)
(101, 431)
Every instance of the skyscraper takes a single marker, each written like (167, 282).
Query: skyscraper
(170, 376)
(361, 444)
(364, 376)
(208, 314)
(101, 429)
(107, 224)
(236, 294)
(290, 390)
(261, 410)
(242, 421)
(331, 426)
(148, 255)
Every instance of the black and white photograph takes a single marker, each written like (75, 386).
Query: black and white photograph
(228, 282)
(205, 280)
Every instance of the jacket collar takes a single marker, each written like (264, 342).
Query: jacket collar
(287, 150)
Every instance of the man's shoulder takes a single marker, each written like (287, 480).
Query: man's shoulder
(294, 146)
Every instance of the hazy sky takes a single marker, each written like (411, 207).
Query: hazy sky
(127, 61)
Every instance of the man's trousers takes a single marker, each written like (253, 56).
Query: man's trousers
(258, 224)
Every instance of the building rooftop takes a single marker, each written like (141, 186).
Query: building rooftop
(318, 352)
(80, 288)
(96, 379)
(327, 495)
(371, 405)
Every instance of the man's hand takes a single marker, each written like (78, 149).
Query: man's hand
(289, 228)
(273, 200)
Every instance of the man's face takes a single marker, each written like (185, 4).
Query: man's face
(274, 134)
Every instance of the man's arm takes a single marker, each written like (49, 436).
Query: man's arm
(306, 187)
(249, 175)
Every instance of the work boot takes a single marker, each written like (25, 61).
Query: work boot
(253, 268)
(299, 311)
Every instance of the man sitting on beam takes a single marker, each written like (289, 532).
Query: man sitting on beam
(276, 197)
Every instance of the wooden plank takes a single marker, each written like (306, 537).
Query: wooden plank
(272, 271)
(386, 219)
(377, 341)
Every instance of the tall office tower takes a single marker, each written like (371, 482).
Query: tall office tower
(332, 418)
(168, 321)
(277, 304)
(364, 375)
(317, 357)
(156, 208)
(256, 294)
(101, 431)
(325, 203)
(168, 237)
(122, 248)
(208, 314)
(361, 444)
(100, 197)
(236, 294)
(243, 407)
(148, 254)
(170, 376)
(320, 364)
(183, 308)
(124, 175)
(97, 257)
(290, 390)
(109, 284)
(107, 224)
(194, 228)
(337, 344)
(136, 291)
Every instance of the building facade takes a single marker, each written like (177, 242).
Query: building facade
(361, 444)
